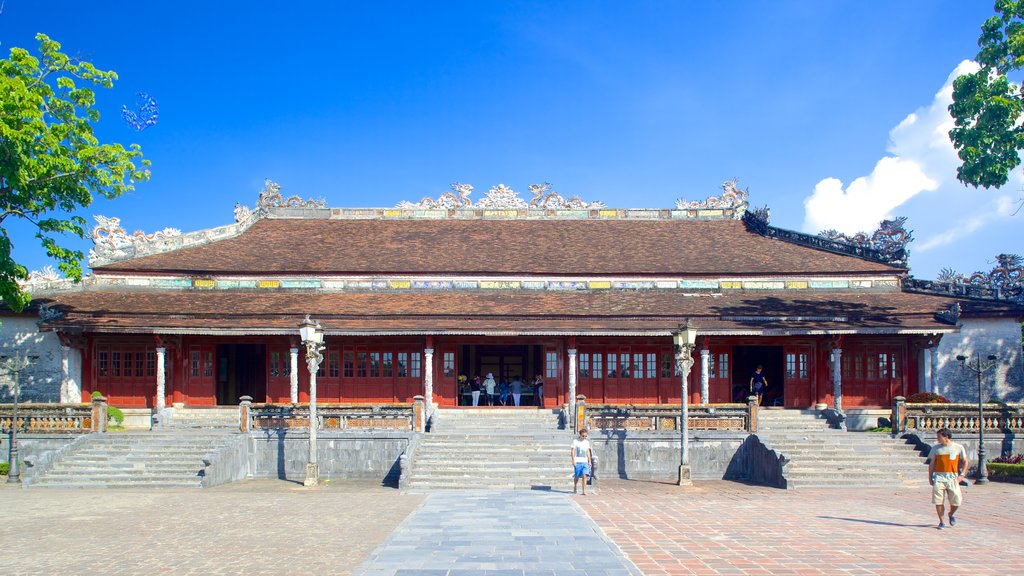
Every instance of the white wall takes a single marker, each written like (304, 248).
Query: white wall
(986, 336)
(41, 382)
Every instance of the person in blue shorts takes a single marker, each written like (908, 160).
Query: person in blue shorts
(582, 460)
(758, 383)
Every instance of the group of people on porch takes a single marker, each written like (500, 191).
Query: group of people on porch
(489, 392)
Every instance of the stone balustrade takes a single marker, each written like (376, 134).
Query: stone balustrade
(329, 417)
(956, 416)
(44, 418)
(640, 418)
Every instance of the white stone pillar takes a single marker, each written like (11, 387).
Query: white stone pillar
(572, 383)
(837, 379)
(929, 380)
(293, 375)
(73, 375)
(428, 379)
(705, 375)
(65, 375)
(935, 371)
(161, 380)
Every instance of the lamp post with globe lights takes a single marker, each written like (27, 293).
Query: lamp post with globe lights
(979, 368)
(312, 334)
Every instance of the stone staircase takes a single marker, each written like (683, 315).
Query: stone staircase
(821, 457)
(171, 458)
(492, 448)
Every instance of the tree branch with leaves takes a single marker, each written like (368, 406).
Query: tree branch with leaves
(987, 105)
(51, 163)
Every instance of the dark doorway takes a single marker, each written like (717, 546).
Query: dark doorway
(241, 371)
(505, 362)
(748, 358)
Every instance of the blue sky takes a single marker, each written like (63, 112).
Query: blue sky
(634, 104)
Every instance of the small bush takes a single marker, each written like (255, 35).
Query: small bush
(5, 468)
(886, 429)
(998, 469)
(926, 398)
(112, 411)
(1017, 459)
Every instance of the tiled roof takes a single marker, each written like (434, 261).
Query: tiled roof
(500, 247)
(491, 312)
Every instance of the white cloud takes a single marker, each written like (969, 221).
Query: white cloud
(921, 159)
(955, 226)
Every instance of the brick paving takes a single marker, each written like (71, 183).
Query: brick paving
(253, 528)
(729, 528)
(273, 527)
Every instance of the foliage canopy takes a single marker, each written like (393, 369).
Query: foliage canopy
(987, 106)
(51, 163)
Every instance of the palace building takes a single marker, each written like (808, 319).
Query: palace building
(585, 296)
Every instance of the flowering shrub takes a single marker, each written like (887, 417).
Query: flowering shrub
(926, 398)
(1017, 459)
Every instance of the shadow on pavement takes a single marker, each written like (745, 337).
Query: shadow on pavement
(877, 522)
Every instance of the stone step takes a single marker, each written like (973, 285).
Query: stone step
(83, 484)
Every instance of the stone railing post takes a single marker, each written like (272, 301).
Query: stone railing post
(245, 413)
(752, 414)
(581, 412)
(418, 414)
(99, 414)
(898, 419)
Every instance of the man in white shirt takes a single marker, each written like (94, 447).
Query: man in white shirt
(582, 460)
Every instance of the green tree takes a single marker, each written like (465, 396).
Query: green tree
(51, 163)
(987, 106)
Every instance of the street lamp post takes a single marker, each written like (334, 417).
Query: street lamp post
(312, 335)
(684, 339)
(14, 366)
(979, 368)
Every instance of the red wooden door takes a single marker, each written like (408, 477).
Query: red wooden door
(720, 386)
(200, 388)
(797, 385)
(444, 376)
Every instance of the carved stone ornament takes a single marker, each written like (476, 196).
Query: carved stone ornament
(270, 197)
(757, 220)
(109, 238)
(544, 198)
(457, 198)
(890, 240)
(48, 313)
(1004, 281)
(45, 276)
(242, 213)
(732, 197)
(502, 197)
(950, 315)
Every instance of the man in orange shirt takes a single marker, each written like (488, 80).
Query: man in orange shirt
(947, 465)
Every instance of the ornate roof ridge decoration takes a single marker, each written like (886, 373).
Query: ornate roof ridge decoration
(732, 197)
(1005, 282)
(45, 277)
(544, 198)
(890, 239)
(111, 241)
(457, 198)
(889, 247)
(501, 197)
(270, 197)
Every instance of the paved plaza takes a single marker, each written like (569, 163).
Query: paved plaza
(271, 527)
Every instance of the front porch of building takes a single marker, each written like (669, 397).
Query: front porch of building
(140, 371)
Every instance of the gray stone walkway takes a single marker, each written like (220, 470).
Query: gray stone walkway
(503, 533)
